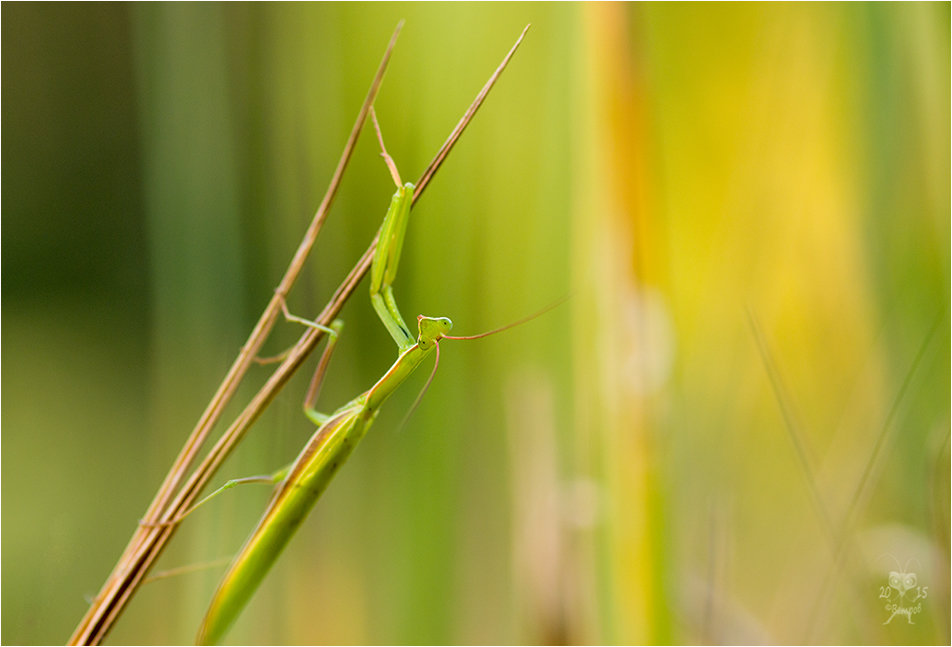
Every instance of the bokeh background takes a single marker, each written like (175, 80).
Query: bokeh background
(734, 430)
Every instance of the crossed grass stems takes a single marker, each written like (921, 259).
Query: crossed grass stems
(839, 534)
(178, 493)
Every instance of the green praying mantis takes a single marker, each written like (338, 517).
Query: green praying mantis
(301, 484)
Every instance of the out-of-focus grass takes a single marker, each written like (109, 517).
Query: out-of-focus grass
(732, 166)
(617, 471)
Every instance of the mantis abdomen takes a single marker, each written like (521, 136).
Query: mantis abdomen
(330, 446)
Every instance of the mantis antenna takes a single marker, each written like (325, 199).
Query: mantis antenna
(436, 363)
(538, 313)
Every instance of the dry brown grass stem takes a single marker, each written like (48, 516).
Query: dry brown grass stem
(158, 526)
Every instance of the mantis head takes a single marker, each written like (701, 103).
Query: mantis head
(432, 329)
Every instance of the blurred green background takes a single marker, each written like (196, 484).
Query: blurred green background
(733, 431)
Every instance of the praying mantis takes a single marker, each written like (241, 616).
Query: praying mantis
(301, 484)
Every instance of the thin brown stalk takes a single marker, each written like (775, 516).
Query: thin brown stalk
(152, 536)
(467, 117)
(93, 627)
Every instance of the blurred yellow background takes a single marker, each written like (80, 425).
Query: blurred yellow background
(734, 430)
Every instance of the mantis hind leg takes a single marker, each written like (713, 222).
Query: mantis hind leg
(269, 479)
